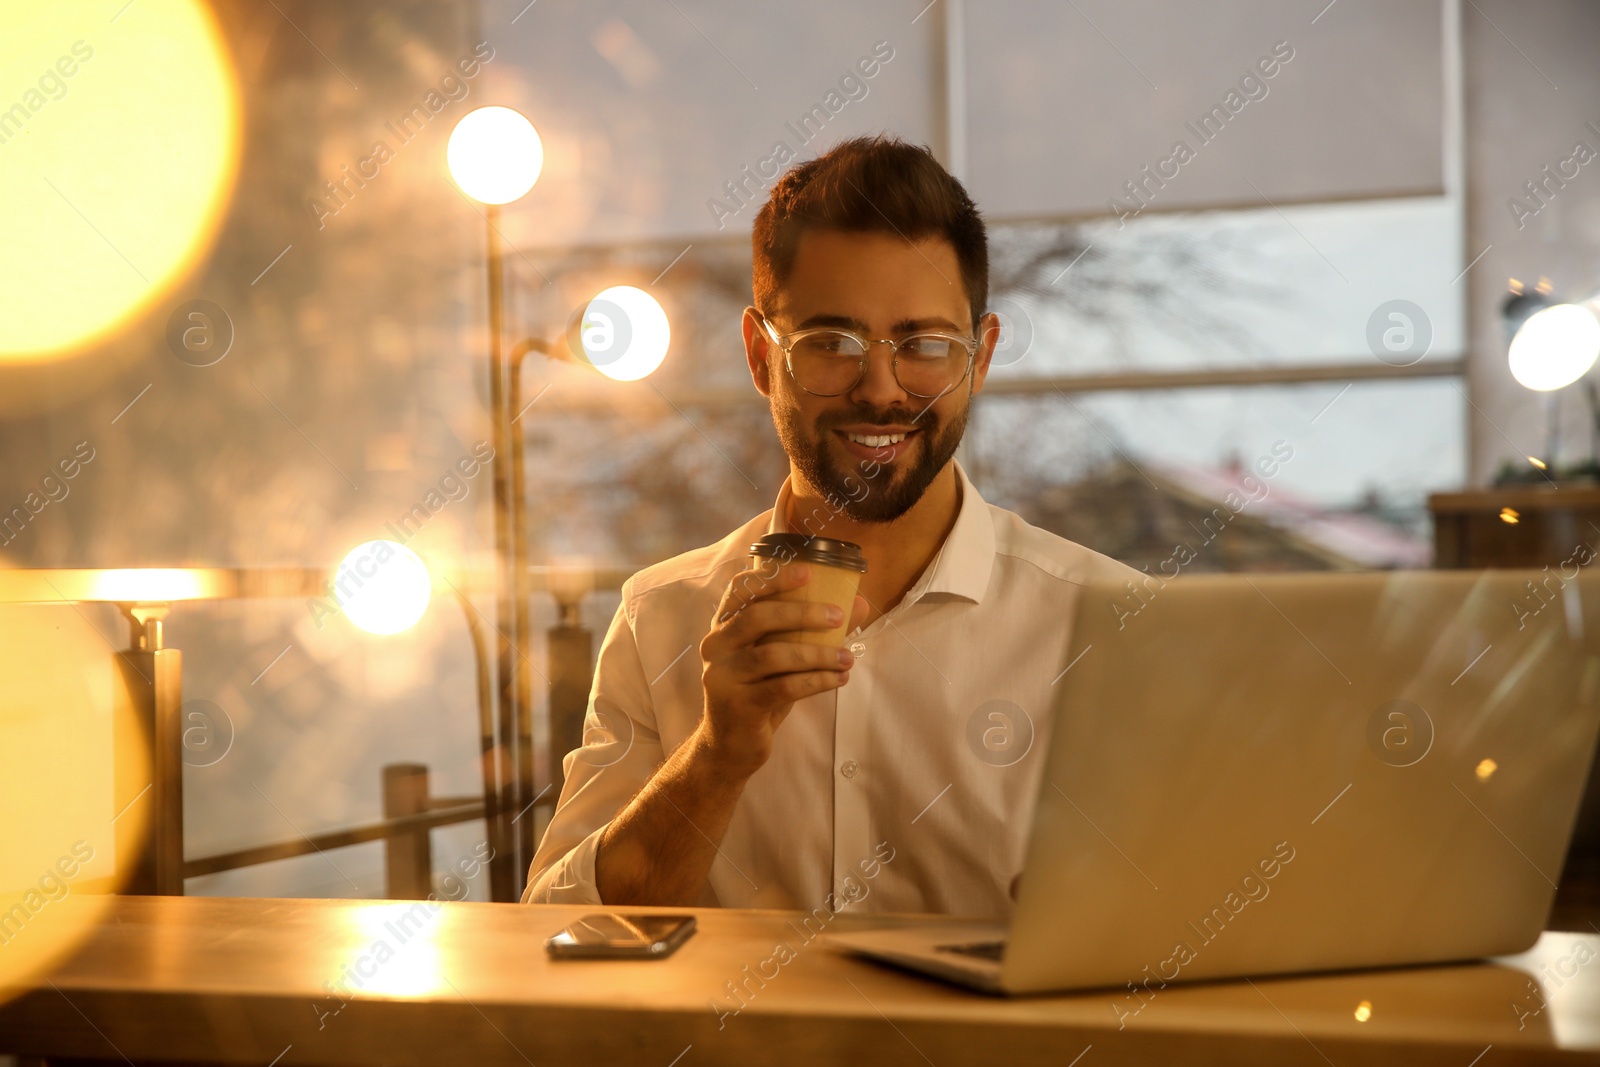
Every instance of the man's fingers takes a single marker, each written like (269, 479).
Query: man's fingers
(788, 688)
(749, 586)
(757, 662)
(777, 616)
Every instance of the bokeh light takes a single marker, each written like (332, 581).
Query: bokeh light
(1555, 347)
(495, 155)
(383, 587)
(66, 732)
(119, 141)
(623, 333)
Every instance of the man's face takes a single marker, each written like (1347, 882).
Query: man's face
(878, 285)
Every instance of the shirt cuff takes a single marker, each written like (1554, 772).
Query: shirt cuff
(570, 879)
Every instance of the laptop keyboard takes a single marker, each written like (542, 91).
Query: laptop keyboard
(983, 950)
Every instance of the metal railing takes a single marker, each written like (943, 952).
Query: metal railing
(409, 813)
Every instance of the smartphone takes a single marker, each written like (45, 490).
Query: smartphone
(637, 937)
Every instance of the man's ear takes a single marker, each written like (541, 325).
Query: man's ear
(988, 337)
(757, 349)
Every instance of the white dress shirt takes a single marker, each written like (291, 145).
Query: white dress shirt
(910, 788)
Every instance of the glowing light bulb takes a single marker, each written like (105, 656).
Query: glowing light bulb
(1555, 347)
(495, 155)
(383, 587)
(623, 333)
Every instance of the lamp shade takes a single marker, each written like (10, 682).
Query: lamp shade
(495, 155)
(1555, 347)
(622, 332)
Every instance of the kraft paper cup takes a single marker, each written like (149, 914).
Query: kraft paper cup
(836, 570)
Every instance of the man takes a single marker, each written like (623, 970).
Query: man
(897, 773)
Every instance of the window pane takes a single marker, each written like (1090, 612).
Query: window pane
(1325, 475)
(1229, 289)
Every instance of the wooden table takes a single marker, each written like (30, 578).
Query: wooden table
(243, 981)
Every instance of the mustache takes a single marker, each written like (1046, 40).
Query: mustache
(886, 417)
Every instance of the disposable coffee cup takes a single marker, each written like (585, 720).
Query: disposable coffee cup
(836, 570)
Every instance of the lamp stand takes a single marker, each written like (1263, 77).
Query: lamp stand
(504, 879)
(1552, 421)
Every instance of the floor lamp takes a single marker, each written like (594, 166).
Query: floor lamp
(495, 157)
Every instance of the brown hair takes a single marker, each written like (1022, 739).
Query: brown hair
(869, 185)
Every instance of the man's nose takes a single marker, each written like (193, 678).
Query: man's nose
(878, 387)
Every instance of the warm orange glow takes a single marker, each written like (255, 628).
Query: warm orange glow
(1363, 1011)
(1537, 462)
(1486, 769)
(64, 739)
(1509, 515)
(393, 950)
(152, 585)
(119, 141)
(383, 587)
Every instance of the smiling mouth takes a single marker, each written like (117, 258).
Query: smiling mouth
(876, 440)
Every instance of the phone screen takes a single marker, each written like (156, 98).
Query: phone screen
(621, 935)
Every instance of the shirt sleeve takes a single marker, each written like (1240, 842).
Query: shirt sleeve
(621, 750)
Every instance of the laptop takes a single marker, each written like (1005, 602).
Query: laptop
(1270, 774)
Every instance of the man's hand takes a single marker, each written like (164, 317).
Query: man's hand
(752, 681)
(658, 850)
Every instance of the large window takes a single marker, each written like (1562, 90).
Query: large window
(1167, 356)
(1183, 349)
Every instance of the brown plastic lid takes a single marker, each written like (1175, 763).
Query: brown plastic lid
(803, 548)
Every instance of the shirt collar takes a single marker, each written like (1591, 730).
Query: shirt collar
(962, 565)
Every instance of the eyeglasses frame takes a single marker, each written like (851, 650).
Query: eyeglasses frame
(786, 342)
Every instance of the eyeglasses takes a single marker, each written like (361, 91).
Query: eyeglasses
(828, 361)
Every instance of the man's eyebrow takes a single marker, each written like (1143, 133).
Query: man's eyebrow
(845, 322)
(936, 323)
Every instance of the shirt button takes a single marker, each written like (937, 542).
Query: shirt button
(849, 768)
(858, 649)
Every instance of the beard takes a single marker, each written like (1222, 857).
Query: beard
(896, 486)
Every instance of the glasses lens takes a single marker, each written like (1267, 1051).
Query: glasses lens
(931, 363)
(827, 362)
